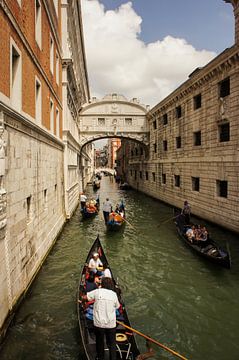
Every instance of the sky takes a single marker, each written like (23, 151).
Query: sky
(147, 48)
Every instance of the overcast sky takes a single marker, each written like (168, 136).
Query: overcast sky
(146, 48)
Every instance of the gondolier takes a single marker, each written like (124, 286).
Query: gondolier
(107, 209)
(83, 199)
(186, 211)
(104, 317)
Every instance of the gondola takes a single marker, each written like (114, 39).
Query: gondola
(96, 184)
(116, 221)
(90, 210)
(209, 250)
(125, 186)
(125, 341)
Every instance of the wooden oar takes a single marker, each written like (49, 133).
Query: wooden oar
(164, 222)
(152, 340)
(128, 223)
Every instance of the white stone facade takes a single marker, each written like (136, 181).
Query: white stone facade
(75, 94)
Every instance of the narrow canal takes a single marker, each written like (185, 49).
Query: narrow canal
(171, 294)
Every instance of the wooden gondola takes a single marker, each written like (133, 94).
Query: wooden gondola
(209, 250)
(116, 221)
(125, 341)
(96, 184)
(90, 210)
(125, 186)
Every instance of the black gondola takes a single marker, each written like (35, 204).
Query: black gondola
(125, 342)
(209, 250)
(116, 221)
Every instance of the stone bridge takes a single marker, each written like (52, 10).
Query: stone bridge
(103, 169)
(113, 116)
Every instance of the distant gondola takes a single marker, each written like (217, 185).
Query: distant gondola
(90, 210)
(116, 221)
(126, 345)
(125, 186)
(96, 184)
(211, 250)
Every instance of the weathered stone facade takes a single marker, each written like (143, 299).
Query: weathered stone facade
(40, 161)
(194, 137)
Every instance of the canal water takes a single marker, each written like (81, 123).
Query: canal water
(171, 294)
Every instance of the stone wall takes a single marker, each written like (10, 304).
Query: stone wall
(194, 142)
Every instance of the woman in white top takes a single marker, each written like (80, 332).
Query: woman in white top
(94, 263)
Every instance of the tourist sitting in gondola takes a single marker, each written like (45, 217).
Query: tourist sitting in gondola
(95, 264)
(190, 233)
(90, 283)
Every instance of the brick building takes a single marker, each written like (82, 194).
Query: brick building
(194, 137)
(36, 145)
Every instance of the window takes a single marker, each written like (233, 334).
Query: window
(163, 178)
(29, 198)
(136, 151)
(135, 174)
(101, 121)
(197, 101)
(224, 88)
(16, 77)
(128, 121)
(178, 142)
(195, 183)
(155, 147)
(177, 180)
(57, 69)
(38, 101)
(51, 55)
(146, 175)
(153, 175)
(57, 123)
(38, 29)
(140, 175)
(56, 6)
(224, 132)
(178, 111)
(154, 124)
(222, 188)
(141, 151)
(197, 138)
(51, 116)
(45, 199)
(165, 119)
(132, 153)
(165, 145)
(131, 172)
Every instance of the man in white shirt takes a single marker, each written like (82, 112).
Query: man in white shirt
(104, 317)
(83, 199)
(95, 262)
(107, 209)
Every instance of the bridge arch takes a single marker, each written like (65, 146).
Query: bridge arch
(113, 116)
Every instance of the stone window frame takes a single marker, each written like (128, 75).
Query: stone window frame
(197, 101)
(178, 112)
(224, 87)
(38, 100)
(222, 188)
(164, 178)
(165, 119)
(222, 135)
(15, 77)
(195, 183)
(52, 113)
(197, 140)
(38, 23)
(177, 181)
(178, 140)
(165, 145)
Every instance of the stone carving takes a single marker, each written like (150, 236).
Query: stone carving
(114, 108)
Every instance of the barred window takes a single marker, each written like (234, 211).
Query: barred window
(224, 88)
(224, 132)
(195, 183)
(177, 180)
(197, 101)
(222, 188)
(197, 138)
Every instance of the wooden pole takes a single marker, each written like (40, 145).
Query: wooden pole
(152, 340)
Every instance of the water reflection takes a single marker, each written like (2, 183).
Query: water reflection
(171, 293)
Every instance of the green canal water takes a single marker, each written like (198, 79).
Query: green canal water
(171, 294)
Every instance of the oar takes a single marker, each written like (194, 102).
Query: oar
(164, 222)
(128, 223)
(152, 340)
